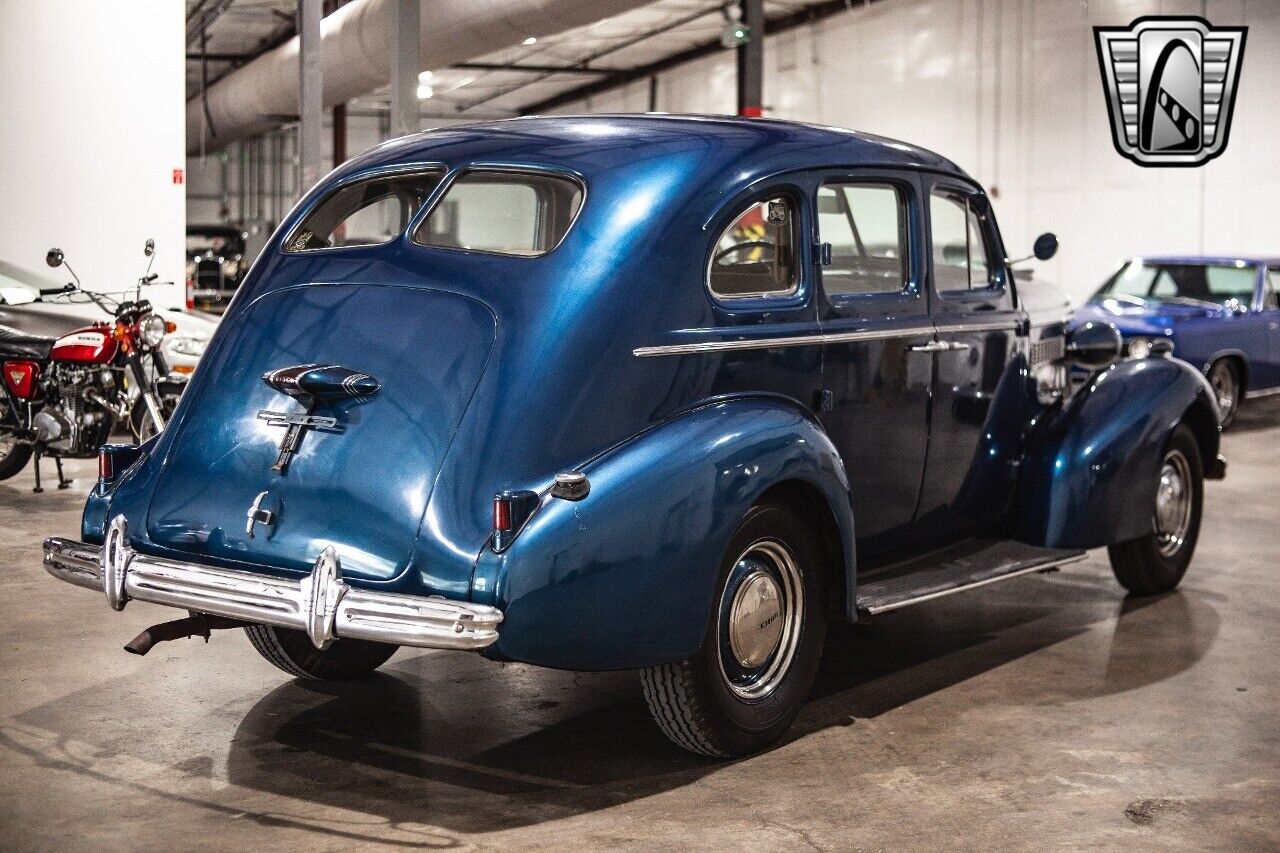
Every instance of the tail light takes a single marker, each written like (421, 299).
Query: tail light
(191, 293)
(510, 511)
(114, 460)
(20, 377)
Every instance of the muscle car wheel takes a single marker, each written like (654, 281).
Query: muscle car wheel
(293, 652)
(746, 684)
(1156, 562)
(1226, 388)
(13, 456)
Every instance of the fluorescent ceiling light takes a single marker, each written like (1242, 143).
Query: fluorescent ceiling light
(531, 40)
(425, 91)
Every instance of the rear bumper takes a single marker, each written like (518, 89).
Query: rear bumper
(321, 604)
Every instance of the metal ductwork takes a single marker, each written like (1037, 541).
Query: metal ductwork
(355, 60)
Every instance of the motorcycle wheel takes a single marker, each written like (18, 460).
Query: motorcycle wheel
(140, 419)
(13, 455)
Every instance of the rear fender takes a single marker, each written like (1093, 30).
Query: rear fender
(1090, 471)
(624, 577)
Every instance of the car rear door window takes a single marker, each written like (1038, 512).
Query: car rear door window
(756, 254)
(364, 213)
(503, 212)
(866, 226)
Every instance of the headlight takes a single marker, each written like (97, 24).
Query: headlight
(1144, 347)
(189, 346)
(151, 330)
(231, 267)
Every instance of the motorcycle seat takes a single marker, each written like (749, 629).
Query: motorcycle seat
(16, 344)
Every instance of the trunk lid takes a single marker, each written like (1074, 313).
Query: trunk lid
(363, 487)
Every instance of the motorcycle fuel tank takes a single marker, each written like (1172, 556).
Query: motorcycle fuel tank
(93, 345)
(358, 469)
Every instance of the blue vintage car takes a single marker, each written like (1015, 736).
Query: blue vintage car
(641, 392)
(1219, 314)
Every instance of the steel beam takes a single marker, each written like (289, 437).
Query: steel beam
(406, 25)
(310, 162)
(751, 61)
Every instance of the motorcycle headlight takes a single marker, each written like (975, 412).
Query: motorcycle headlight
(151, 330)
(189, 346)
(231, 267)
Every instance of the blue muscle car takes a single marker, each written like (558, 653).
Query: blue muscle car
(638, 392)
(1219, 314)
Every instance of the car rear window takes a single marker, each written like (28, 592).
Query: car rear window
(364, 213)
(503, 212)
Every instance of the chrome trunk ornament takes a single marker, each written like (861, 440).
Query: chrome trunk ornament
(312, 385)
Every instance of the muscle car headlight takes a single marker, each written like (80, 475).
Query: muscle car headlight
(1142, 347)
(188, 345)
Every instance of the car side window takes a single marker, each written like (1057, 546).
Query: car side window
(960, 259)
(866, 226)
(1271, 290)
(756, 254)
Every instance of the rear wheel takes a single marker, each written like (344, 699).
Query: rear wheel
(293, 652)
(1225, 379)
(745, 686)
(1156, 562)
(13, 455)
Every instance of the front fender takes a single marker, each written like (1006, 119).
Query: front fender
(624, 578)
(1090, 472)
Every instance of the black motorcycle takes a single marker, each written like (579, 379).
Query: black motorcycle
(66, 396)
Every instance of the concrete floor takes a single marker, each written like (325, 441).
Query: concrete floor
(1045, 713)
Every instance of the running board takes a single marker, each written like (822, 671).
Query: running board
(962, 567)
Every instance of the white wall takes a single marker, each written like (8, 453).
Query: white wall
(92, 119)
(1011, 91)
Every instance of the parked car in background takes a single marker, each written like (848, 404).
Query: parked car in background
(216, 263)
(618, 392)
(1220, 314)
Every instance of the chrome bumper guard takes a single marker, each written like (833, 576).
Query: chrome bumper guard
(321, 604)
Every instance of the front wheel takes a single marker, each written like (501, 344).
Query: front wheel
(14, 455)
(1156, 562)
(744, 687)
(1225, 381)
(293, 652)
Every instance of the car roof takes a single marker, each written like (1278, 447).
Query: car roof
(1215, 260)
(589, 143)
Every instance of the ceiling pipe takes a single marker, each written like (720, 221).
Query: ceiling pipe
(355, 60)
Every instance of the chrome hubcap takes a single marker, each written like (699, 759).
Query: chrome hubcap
(1173, 504)
(761, 612)
(1224, 388)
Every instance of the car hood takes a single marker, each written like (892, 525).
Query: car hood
(48, 319)
(1153, 318)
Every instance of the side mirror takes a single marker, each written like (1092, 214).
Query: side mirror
(149, 248)
(1045, 246)
(53, 257)
(1094, 345)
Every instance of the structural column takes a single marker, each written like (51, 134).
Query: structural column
(405, 37)
(751, 61)
(310, 108)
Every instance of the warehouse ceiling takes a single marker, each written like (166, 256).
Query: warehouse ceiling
(224, 34)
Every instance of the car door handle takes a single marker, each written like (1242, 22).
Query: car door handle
(938, 346)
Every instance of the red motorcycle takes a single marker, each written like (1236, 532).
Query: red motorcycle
(66, 396)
